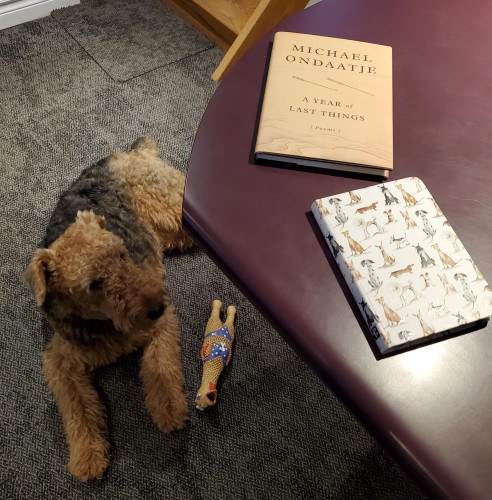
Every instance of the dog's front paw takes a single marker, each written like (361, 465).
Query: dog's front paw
(168, 426)
(171, 416)
(89, 463)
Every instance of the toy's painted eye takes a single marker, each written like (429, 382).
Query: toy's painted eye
(96, 285)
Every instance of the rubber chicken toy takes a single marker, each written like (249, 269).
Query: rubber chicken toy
(216, 353)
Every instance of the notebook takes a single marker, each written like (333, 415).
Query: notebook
(406, 267)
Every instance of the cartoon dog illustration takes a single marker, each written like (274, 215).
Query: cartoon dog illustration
(409, 221)
(405, 335)
(387, 338)
(425, 260)
(460, 319)
(354, 197)
(371, 317)
(446, 260)
(391, 316)
(479, 275)
(390, 216)
(337, 248)
(355, 247)
(448, 287)
(468, 294)
(427, 329)
(439, 310)
(323, 211)
(428, 229)
(396, 274)
(388, 197)
(402, 241)
(407, 197)
(418, 183)
(373, 281)
(451, 235)
(438, 210)
(403, 289)
(389, 260)
(340, 216)
(363, 210)
(365, 225)
(356, 275)
(427, 280)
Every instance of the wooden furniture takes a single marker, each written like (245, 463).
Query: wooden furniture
(235, 25)
(432, 406)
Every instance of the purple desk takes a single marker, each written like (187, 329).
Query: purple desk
(431, 406)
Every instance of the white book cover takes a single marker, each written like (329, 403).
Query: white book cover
(408, 271)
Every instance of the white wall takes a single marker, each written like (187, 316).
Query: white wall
(21, 11)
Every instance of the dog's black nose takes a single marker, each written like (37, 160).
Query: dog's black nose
(155, 312)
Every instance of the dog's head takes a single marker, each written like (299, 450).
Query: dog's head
(87, 285)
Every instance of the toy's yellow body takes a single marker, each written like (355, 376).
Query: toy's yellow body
(216, 353)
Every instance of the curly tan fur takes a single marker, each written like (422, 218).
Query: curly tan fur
(105, 298)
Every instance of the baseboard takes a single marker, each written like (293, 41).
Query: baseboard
(21, 11)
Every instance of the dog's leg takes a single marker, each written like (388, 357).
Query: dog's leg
(162, 376)
(83, 414)
(170, 230)
(177, 240)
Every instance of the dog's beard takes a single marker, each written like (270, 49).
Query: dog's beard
(85, 331)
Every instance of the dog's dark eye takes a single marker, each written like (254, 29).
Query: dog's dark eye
(96, 285)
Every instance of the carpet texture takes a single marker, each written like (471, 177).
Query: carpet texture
(277, 432)
(148, 35)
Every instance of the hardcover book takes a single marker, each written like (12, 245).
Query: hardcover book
(327, 104)
(408, 271)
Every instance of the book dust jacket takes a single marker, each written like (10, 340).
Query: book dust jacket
(328, 99)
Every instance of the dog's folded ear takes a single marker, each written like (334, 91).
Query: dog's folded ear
(38, 273)
(146, 144)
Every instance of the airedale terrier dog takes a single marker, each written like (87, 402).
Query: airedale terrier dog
(98, 278)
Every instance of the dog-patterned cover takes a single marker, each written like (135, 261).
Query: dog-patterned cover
(409, 273)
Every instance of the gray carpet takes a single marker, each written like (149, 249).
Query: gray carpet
(277, 431)
(130, 38)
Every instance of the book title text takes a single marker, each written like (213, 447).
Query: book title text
(302, 54)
